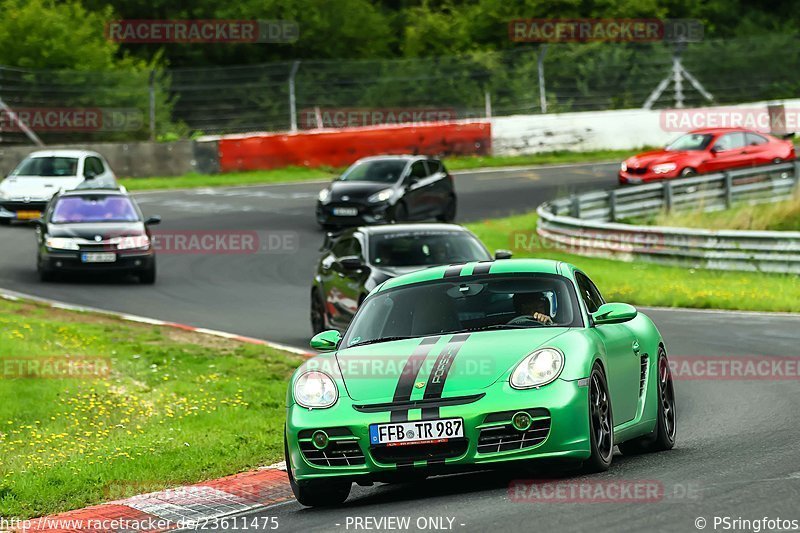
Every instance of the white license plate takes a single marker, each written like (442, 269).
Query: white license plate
(422, 431)
(98, 257)
(345, 211)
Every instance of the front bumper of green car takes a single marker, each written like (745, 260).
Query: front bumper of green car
(560, 429)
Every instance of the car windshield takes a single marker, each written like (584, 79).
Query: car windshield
(51, 167)
(78, 209)
(470, 304)
(382, 171)
(690, 141)
(424, 248)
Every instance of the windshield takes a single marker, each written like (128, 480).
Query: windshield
(78, 209)
(405, 249)
(382, 171)
(469, 304)
(690, 141)
(51, 167)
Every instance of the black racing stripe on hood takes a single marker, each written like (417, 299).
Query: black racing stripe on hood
(439, 372)
(482, 268)
(405, 385)
(454, 271)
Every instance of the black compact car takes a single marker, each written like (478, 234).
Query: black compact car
(377, 190)
(359, 259)
(95, 231)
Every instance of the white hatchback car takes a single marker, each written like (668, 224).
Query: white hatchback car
(26, 191)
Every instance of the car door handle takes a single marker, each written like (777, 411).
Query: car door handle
(636, 348)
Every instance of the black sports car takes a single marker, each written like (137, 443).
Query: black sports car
(376, 190)
(359, 259)
(95, 231)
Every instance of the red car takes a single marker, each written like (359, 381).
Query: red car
(706, 150)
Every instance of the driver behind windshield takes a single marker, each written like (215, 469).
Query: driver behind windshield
(532, 306)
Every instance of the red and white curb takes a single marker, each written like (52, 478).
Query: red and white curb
(182, 507)
(14, 296)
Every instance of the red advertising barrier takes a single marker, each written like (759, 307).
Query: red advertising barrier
(340, 148)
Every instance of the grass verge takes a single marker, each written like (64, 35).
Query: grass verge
(163, 416)
(651, 284)
(300, 174)
(778, 216)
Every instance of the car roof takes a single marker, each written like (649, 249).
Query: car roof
(394, 228)
(502, 266)
(721, 130)
(402, 157)
(94, 192)
(63, 153)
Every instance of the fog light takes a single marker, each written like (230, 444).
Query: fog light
(320, 439)
(521, 421)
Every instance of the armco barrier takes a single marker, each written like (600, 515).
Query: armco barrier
(584, 224)
(342, 147)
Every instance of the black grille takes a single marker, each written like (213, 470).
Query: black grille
(505, 438)
(24, 206)
(337, 453)
(419, 452)
(643, 374)
(641, 170)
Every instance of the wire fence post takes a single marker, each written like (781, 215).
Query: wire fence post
(487, 104)
(612, 206)
(540, 67)
(292, 96)
(728, 189)
(152, 106)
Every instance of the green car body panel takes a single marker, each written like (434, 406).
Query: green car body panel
(631, 373)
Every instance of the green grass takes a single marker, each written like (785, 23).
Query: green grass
(176, 408)
(779, 216)
(651, 284)
(300, 174)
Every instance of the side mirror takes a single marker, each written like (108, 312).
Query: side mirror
(351, 262)
(717, 149)
(326, 341)
(89, 174)
(503, 254)
(614, 313)
(152, 221)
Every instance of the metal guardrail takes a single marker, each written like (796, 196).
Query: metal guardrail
(587, 224)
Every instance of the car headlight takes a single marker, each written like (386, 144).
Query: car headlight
(315, 390)
(324, 196)
(539, 368)
(131, 243)
(664, 168)
(623, 167)
(62, 243)
(381, 196)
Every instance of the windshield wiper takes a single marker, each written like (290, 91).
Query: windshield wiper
(381, 339)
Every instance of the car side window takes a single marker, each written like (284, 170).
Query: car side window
(753, 139)
(93, 165)
(418, 170)
(730, 141)
(433, 166)
(591, 296)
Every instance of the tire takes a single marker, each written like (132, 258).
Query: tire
(400, 213)
(663, 437)
(315, 492)
(148, 276)
(5, 221)
(601, 423)
(45, 274)
(449, 213)
(688, 172)
(318, 321)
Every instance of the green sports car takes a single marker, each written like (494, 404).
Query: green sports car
(472, 366)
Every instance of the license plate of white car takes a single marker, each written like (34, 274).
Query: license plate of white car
(421, 431)
(99, 257)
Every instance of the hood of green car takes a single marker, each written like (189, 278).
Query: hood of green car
(448, 365)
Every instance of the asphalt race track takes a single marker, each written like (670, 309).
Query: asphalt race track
(263, 295)
(738, 450)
